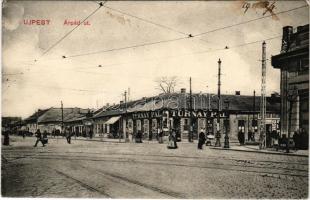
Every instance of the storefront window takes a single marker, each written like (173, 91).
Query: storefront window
(165, 119)
(146, 126)
(186, 124)
(138, 125)
(129, 124)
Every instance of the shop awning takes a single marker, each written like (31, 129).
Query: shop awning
(112, 120)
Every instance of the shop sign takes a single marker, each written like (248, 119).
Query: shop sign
(197, 114)
(179, 113)
(145, 115)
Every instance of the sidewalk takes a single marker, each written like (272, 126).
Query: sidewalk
(255, 148)
(234, 146)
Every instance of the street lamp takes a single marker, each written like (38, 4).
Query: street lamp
(218, 134)
(226, 122)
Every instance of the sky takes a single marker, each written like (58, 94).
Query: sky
(36, 75)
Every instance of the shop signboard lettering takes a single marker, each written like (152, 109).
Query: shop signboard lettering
(179, 113)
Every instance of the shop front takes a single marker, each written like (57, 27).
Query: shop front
(151, 122)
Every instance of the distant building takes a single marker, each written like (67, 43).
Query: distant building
(293, 61)
(11, 123)
(32, 121)
(50, 119)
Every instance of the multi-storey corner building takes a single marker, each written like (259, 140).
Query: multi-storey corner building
(293, 61)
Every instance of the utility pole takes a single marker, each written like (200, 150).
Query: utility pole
(262, 138)
(37, 122)
(209, 99)
(253, 117)
(62, 117)
(218, 134)
(190, 139)
(126, 128)
(254, 104)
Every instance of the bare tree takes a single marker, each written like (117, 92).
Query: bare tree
(166, 84)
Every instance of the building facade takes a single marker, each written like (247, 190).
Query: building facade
(53, 119)
(293, 62)
(172, 111)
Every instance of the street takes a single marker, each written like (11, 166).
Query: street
(93, 169)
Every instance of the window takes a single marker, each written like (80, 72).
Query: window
(186, 124)
(129, 124)
(138, 125)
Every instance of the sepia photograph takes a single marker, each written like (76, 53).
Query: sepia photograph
(155, 99)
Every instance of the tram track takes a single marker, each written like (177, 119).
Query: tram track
(240, 163)
(81, 183)
(215, 166)
(168, 156)
(118, 177)
(127, 183)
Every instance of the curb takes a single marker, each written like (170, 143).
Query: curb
(250, 151)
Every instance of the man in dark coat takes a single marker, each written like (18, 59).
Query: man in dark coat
(39, 138)
(6, 140)
(139, 137)
(201, 140)
(68, 136)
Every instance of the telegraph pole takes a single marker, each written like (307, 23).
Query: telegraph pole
(126, 133)
(218, 134)
(190, 139)
(62, 117)
(37, 119)
(262, 138)
(253, 117)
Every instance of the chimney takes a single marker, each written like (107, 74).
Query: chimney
(107, 104)
(183, 90)
(286, 38)
(237, 93)
(302, 28)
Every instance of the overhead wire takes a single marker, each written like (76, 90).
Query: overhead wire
(249, 21)
(154, 23)
(67, 34)
(158, 58)
(63, 88)
(182, 38)
(127, 47)
(147, 21)
(193, 53)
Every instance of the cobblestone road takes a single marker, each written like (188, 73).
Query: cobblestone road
(148, 170)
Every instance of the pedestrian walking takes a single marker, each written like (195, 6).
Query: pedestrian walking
(172, 143)
(39, 138)
(174, 137)
(201, 140)
(45, 139)
(68, 137)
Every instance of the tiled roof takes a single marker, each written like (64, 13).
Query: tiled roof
(236, 103)
(105, 113)
(33, 117)
(55, 114)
